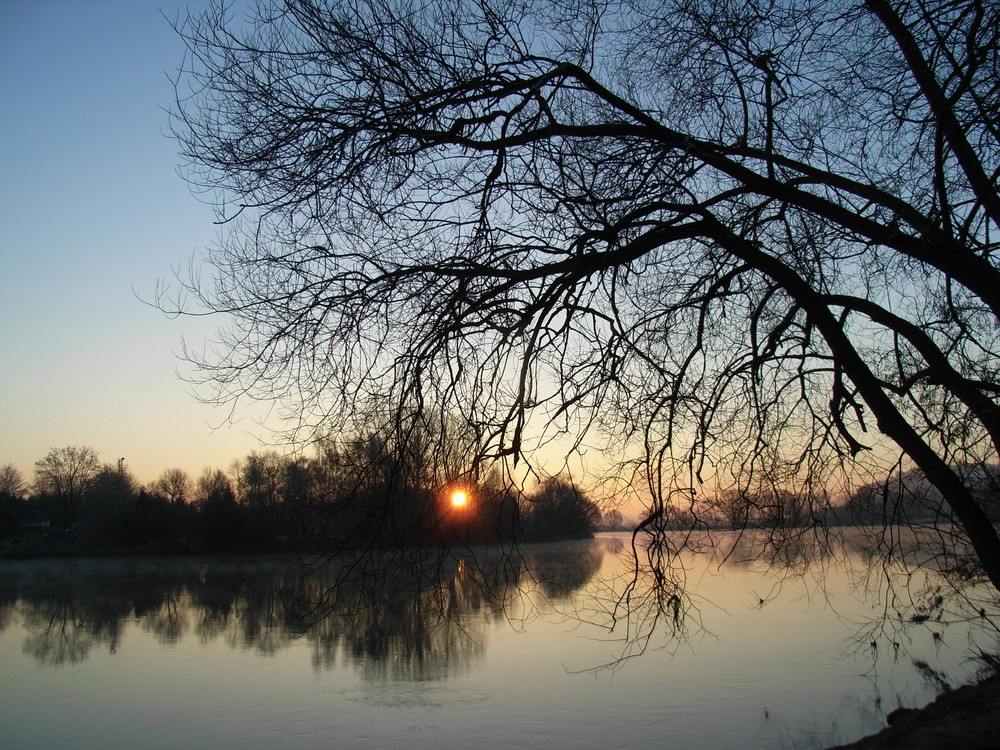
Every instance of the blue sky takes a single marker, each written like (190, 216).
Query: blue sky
(92, 213)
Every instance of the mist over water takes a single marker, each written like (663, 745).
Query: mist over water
(495, 650)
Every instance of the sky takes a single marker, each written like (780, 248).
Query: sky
(93, 215)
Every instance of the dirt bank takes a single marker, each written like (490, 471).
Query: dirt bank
(967, 718)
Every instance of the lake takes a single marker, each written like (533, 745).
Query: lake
(494, 650)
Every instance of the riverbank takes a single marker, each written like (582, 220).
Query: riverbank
(966, 718)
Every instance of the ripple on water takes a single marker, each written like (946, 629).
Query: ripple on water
(413, 695)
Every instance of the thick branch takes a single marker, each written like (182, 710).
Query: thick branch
(967, 391)
(977, 525)
(954, 133)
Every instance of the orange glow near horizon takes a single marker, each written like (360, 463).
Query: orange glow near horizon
(459, 499)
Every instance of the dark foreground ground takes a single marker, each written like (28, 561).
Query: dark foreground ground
(965, 719)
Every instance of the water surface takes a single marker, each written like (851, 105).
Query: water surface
(235, 652)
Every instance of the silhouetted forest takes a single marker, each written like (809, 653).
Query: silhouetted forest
(353, 494)
(356, 494)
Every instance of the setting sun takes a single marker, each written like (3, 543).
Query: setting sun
(459, 499)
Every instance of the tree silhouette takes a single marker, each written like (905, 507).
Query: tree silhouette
(12, 484)
(66, 474)
(173, 485)
(739, 244)
(223, 526)
(558, 509)
(12, 506)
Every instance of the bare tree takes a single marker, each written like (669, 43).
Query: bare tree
(736, 243)
(12, 484)
(613, 519)
(66, 473)
(214, 486)
(174, 485)
(12, 491)
(259, 478)
(108, 500)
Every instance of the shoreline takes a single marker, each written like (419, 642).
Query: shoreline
(967, 717)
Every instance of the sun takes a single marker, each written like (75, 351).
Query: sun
(459, 499)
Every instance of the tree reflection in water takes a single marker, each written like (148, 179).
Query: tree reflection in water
(428, 622)
(429, 619)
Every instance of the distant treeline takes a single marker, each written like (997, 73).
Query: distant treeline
(351, 494)
(367, 493)
(906, 498)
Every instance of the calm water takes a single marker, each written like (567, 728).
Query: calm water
(224, 652)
